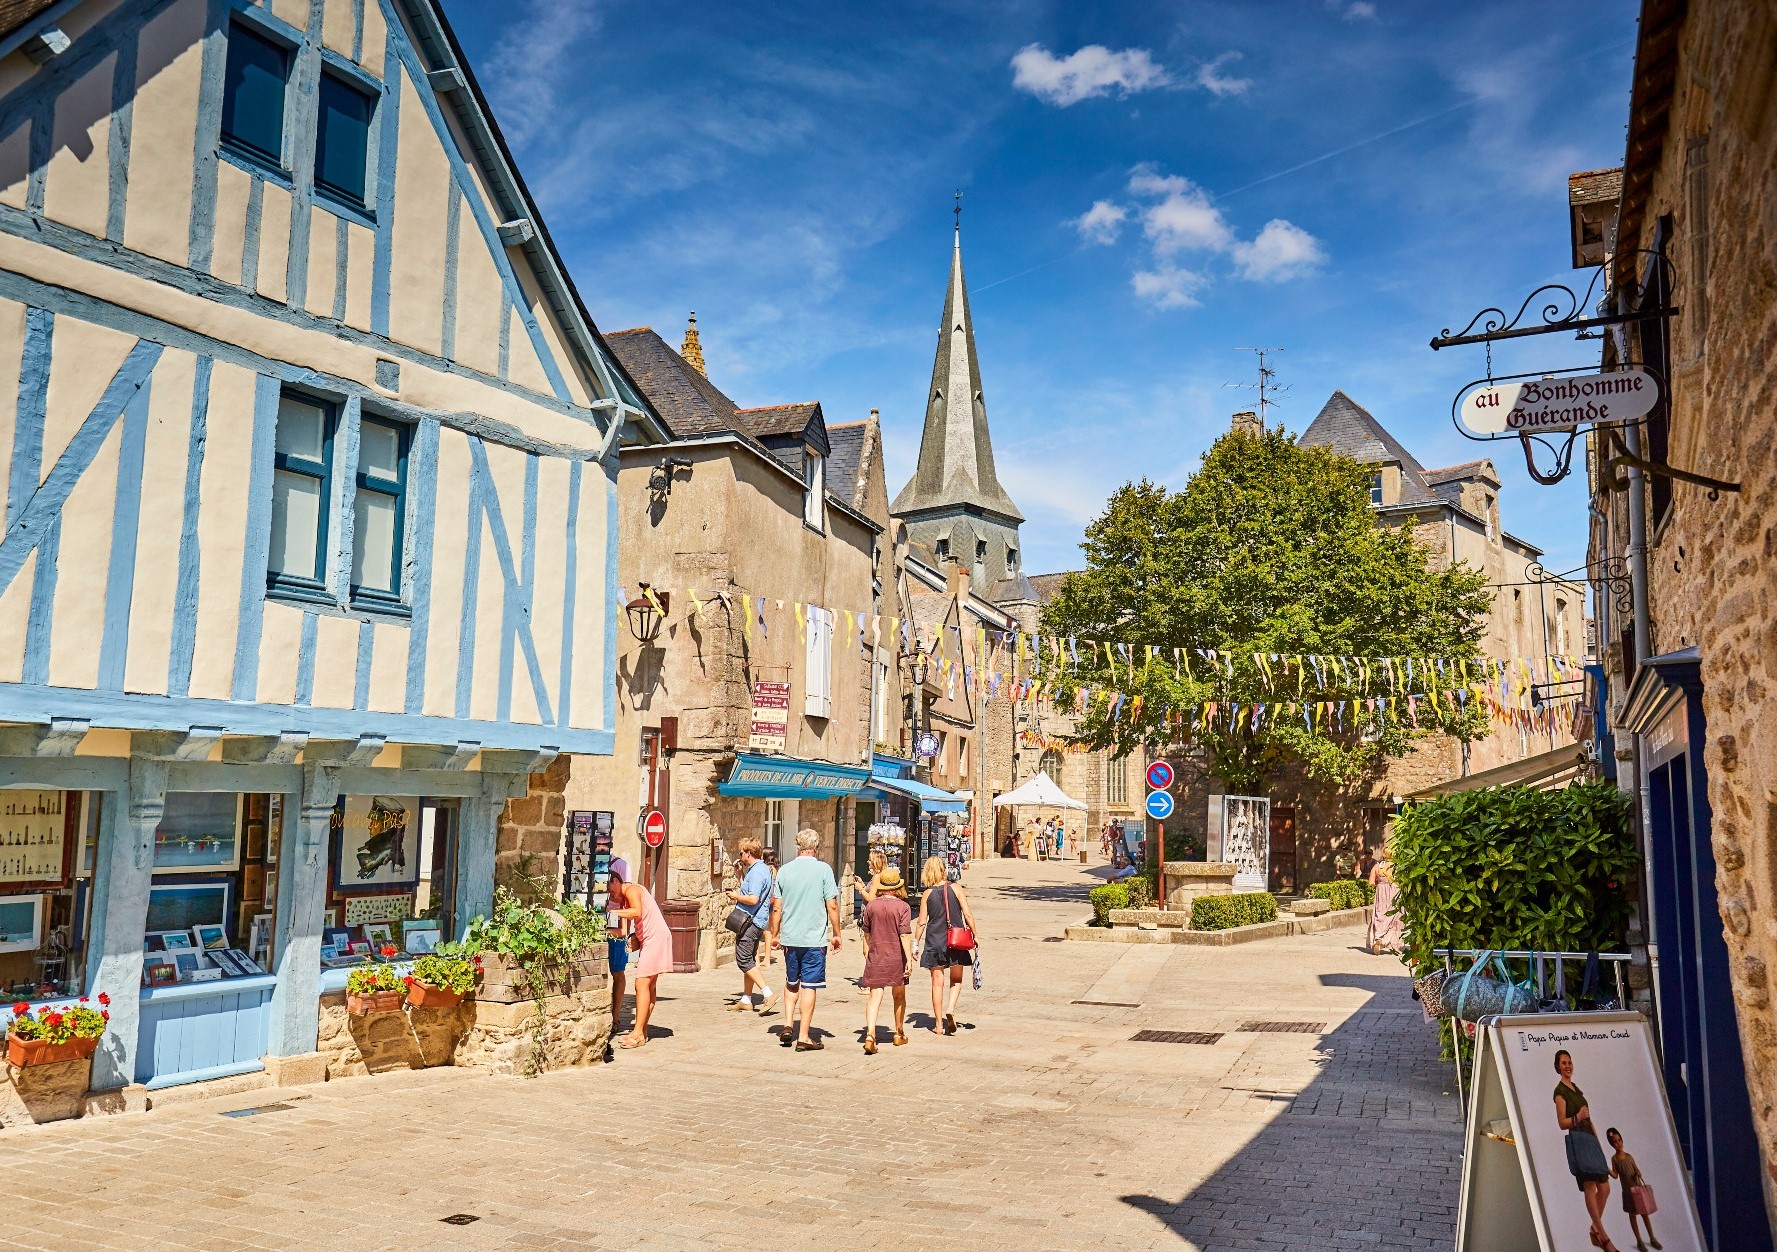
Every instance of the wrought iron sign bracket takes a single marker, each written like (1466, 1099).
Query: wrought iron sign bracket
(1562, 306)
(1578, 325)
(1714, 486)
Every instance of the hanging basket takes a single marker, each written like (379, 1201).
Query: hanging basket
(363, 1004)
(421, 996)
(23, 1052)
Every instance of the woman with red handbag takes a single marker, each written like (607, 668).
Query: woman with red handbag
(946, 938)
(1638, 1197)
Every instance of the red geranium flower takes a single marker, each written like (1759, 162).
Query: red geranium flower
(83, 999)
(105, 1013)
(104, 998)
(390, 949)
(20, 1009)
(52, 1019)
(408, 979)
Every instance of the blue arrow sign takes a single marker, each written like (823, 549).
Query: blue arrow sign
(1159, 805)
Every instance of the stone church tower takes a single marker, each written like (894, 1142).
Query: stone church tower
(954, 506)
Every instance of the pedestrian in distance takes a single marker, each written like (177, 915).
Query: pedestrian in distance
(652, 945)
(616, 938)
(1386, 923)
(805, 924)
(754, 895)
(944, 906)
(887, 930)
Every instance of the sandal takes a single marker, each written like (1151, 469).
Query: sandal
(950, 1023)
(870, 1046)
(629, 1044)
(900, 1038)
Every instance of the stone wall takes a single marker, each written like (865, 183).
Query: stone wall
(495, 1037)
(376, 1042)
(43, 1093)
(530, 832)
(1712, 567)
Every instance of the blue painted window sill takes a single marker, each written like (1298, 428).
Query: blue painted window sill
(255, 165)
(204, 990)
(362, 214)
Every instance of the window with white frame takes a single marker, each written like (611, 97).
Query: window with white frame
(1116, 782)
(301, 490)
(773, 834)
(814, 493)
(818, 666)
(1376, 488)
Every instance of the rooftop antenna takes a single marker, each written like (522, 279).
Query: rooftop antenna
(1266, 386)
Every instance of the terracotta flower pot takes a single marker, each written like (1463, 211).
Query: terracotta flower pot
(23, 1052)
(360, 1005)
(422, 996)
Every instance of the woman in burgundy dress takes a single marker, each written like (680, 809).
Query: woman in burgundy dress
(887, 926)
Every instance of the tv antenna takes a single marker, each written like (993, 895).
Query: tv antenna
(1267, 385)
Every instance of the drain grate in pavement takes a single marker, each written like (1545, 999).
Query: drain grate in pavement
(1283, 1028)
(1109, 1004)
(257, 1110)
(459, 1219)
(1173, 1036)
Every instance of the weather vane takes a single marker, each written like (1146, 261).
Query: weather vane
(958, 210)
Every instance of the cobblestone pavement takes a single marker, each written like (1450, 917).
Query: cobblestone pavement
(1041, 1122)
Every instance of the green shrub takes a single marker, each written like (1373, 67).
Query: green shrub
(1113, 895)
(1515, 868)
(1248, 908)
(1343, 893)
(1141, 892)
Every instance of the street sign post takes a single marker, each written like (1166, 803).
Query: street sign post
(1160, 776)
(653, 827)
(1160, 805)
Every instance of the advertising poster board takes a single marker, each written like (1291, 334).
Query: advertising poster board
(1519, 1190)
(378, 842)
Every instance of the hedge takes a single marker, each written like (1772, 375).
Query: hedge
(1113, 895)
(1343, 893)
(1248, 908)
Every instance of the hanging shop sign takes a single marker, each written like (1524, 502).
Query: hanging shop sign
(1563, 1102)
(1532, 405)
(771, 716)
(785, 778)
(926, 745)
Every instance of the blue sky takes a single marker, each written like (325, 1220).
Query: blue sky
(1147, 188)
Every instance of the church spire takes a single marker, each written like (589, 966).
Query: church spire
(692, 348)
(955, 451)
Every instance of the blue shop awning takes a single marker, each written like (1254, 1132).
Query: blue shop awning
(931, 799)
(786, 778)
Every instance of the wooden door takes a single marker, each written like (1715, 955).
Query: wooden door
(1283, 849)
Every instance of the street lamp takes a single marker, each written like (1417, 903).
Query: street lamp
(646, 614)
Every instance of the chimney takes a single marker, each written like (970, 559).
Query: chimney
(1246, 422)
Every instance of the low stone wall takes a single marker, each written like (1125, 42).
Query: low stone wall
(376, 1042)
(502, 1037)
(43, 1093)
(1145, 931)
(1186, 880)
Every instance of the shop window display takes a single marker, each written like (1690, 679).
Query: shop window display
(214, 899)
(46, 860)
(391, 878)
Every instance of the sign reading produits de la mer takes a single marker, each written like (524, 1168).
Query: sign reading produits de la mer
(1559, 403)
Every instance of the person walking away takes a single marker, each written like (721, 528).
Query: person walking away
(804, 923)
(1624, 1169)
(754, 895)
(864, 892)
(616, 937)
(1386, 923)
(945, 904)
(652, 944)
(887, 930)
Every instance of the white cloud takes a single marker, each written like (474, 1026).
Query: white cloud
(1278, 252)
(1360, 11)
(1092, 71)
(1101, 223)
(1183, 218)
(1212, 80)
(534, 60)
(1167, 286)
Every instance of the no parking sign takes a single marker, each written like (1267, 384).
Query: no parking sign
(1160, 776)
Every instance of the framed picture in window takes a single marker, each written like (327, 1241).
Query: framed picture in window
(180, 906)
(210, 936)
(420, 935)
(198, 831)
(171, 941)
(375, 842)
(376, 934)
(21, 923)
(37, 838)
(271, 888)
(162, 975)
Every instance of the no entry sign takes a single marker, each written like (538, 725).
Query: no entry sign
(653, 828)
(1159, 776)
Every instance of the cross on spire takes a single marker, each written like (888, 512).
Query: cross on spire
(958, 210)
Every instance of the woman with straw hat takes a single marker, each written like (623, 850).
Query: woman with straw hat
(886, 926)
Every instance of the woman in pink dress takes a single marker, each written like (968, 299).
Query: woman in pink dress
(652, 944)
(1386, 923)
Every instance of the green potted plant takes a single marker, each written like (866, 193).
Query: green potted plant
(375, 988)
(65, 1032)
(441, 978)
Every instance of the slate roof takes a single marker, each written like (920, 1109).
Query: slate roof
(1012, 590)
(1456, 473)
(1595, 186)
(15, 13)
(1046, 585)
(1351, 430)
(690, 403)
(845, 462)
(778, 419)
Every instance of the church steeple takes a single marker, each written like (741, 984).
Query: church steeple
(954, 503)
(692, 348)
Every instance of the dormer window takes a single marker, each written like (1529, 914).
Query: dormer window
(980, 549)
(1376, 489)
(943, 549)
(814, 489)
(1011, 560)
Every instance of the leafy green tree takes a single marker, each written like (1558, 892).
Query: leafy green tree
(1271, 548)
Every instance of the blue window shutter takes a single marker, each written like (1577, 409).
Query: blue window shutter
(253, 94)
(342, 148)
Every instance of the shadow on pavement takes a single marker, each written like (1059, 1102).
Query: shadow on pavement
(1367, 1154)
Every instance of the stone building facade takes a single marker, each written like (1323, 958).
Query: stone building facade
(1683, 530)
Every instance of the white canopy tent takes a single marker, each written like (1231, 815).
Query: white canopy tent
(1039, 791)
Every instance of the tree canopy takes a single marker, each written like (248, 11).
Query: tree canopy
(1270, 548)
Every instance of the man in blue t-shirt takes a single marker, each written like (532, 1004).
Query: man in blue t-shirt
(753, 895)
(804, 922)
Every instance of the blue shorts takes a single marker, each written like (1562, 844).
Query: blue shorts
(617, 951)
(805, 968)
